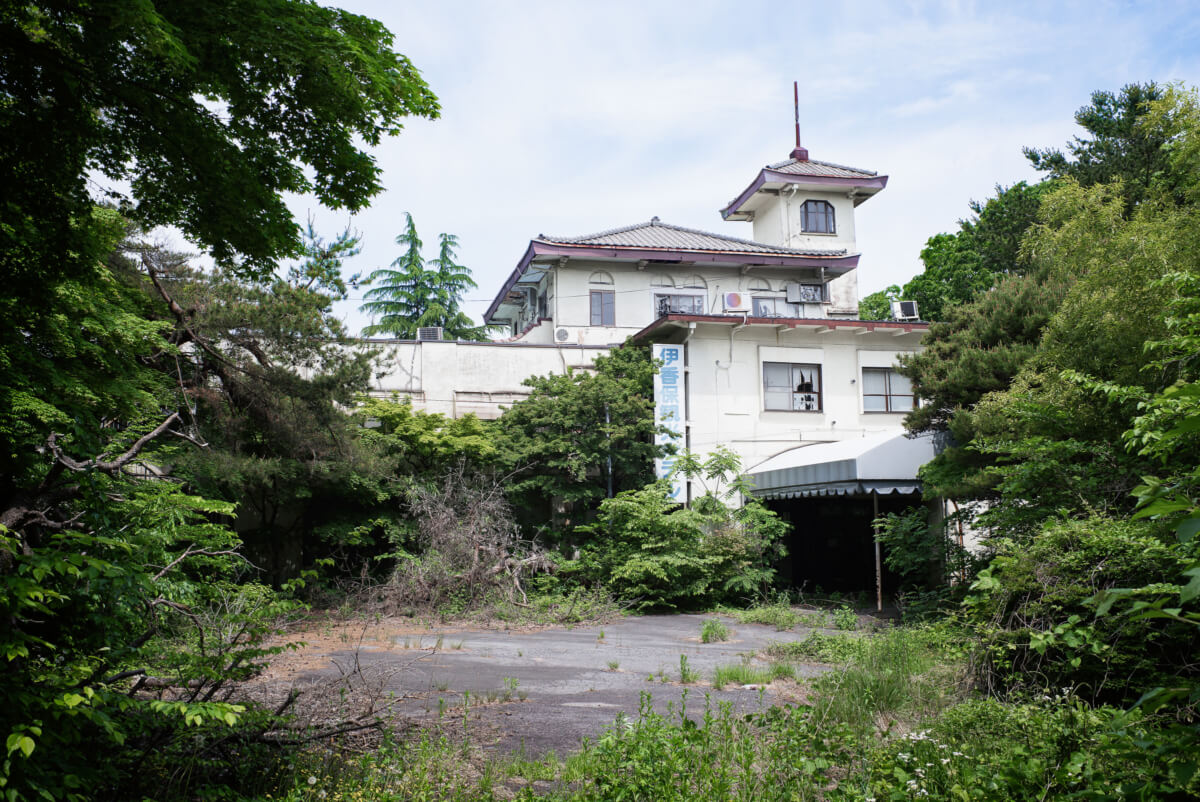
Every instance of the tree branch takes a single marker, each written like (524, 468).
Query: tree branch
(110, 465)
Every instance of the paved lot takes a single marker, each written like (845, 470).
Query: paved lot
(571, 691)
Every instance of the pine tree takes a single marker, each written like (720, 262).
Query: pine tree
(413, 294)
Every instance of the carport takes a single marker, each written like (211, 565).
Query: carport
(831, 493)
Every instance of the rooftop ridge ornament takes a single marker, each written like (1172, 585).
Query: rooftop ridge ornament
(800, 153)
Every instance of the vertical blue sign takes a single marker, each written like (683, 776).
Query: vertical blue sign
(670, 411)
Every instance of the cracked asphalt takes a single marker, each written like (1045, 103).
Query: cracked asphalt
(574, 681)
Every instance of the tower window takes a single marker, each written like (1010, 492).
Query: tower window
(816, 217)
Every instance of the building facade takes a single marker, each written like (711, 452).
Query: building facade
(775, 356)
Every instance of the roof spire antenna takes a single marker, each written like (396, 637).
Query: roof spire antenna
(800, 153)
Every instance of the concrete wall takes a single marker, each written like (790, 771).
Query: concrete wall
(456, 378)
(725, 388)
(779, 223)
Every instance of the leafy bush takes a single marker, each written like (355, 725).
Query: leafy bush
(645, 548)
(1054, 748)
(1037, 630)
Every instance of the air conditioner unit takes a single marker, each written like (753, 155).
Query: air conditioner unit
(429, 333)
(905, 310)
(561, 334)
(736, 302)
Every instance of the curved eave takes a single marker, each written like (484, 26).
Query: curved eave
(869, 186)
(834, 265)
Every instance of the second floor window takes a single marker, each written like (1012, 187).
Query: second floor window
(671, 304)
(791, 387)
(604, 308)
(775, 307)
(816, 217)
(885, 390)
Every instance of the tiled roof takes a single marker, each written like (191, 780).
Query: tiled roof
(656, 234)
(827, 169)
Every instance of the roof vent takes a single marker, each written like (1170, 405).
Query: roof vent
(654, 220)
(799, 154)
(905, 310)
(429, 333)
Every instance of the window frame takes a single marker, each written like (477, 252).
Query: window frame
(775, 299)
(702, 297)
(887, 395)
(826, 213)
(796, 369)
(604, 295)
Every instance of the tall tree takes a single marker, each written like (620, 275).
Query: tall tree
(208, 112)
(958, 267)
(413, 294)
(578, 430)
(1120, 146)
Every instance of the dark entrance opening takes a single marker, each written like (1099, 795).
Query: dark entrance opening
(832, 545)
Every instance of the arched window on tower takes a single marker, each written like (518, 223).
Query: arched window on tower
(816, 217)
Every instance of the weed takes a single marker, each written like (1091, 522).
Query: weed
(687, 675)
(713, 630)
(600, 637)
(819, 647)
(844, 618)
(457, 645)
(613, 665)
(438, 644)
(441, 685)
(779, 615)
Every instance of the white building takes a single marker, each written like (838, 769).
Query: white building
(776, 360)
(776, 355)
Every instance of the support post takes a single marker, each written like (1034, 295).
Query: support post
(878, 554)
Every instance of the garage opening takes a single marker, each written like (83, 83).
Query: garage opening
(831, 546)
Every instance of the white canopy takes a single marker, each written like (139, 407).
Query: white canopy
(878, 463)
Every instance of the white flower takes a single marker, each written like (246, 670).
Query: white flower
(312, 780)
(945, 760)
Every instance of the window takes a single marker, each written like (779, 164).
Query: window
(604, 312)
(885, 390)
(759, 285)
(807, 293)
(661, 280)
(791, 388)
(816, 217)
(665, 304)
(600, 277)
(775, 307)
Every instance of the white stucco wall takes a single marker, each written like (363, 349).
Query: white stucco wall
(778, 222)
(725, 388)
(456, 378)
(634, 291)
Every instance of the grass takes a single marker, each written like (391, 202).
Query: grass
(713, 630)
(819, 647)
(780, 616)
(888, 725)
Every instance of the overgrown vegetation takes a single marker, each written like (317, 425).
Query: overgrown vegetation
(178, 458)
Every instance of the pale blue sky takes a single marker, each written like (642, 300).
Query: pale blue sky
(572, 117)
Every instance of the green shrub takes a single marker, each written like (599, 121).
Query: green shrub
(1036, 629)
(713, 630)
(644, 547)
(1055, 748)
